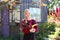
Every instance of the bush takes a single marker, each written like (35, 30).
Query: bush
(45, 29)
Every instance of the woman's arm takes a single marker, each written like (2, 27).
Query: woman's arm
(36, 27)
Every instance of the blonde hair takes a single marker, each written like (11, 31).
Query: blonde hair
(26, 10)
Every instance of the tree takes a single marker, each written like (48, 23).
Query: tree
(53, 4)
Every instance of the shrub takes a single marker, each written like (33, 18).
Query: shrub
(45, 29)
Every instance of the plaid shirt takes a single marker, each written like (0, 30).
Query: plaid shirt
(26, 29)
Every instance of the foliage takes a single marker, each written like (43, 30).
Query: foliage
(45, 29)
(53, 3)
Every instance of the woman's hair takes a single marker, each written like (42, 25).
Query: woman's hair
(26, 10)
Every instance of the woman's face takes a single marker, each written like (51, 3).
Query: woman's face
(27, 13)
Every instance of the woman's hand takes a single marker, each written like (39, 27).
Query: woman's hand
(32, 30)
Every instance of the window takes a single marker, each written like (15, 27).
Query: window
(16, 14)
(34, 9)
(35, 13)
(35, 1)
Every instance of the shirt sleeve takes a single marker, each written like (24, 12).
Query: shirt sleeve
(36, 27)
(22, 25)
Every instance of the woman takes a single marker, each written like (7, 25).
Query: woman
(26, 24)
